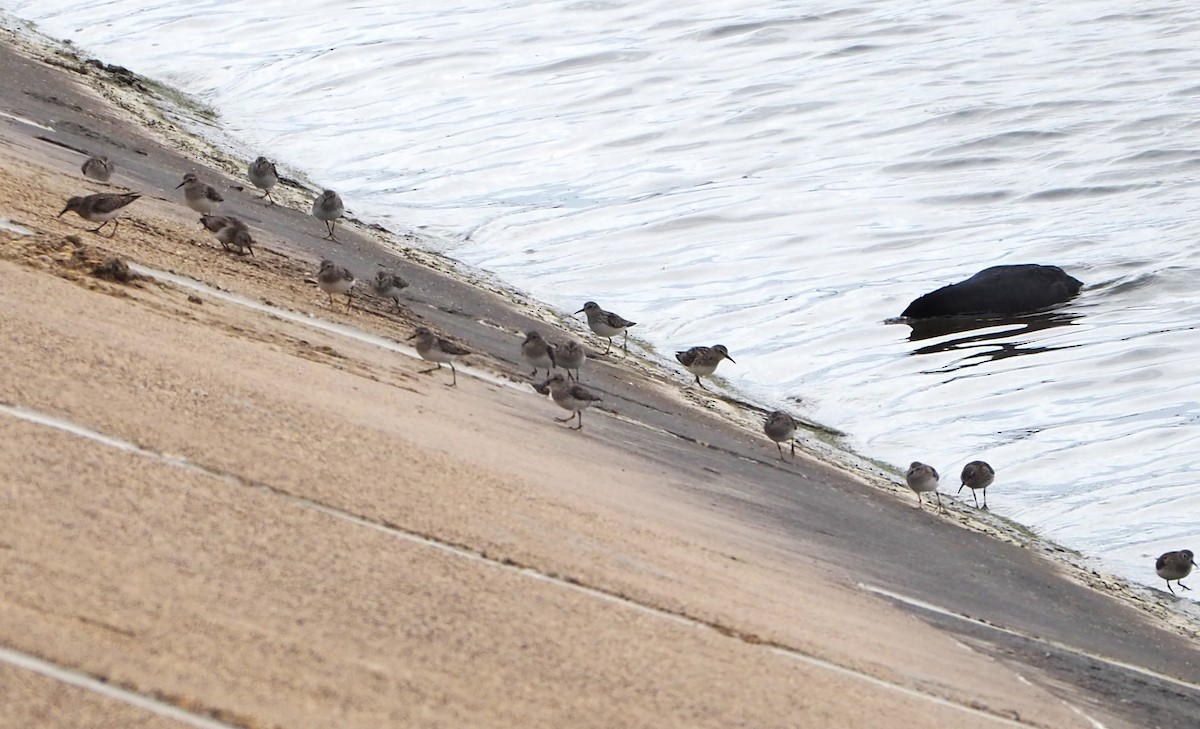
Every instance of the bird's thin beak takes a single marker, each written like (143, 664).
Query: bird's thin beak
(411, 338)
(960, 488)
(181, 184)
(579, 312)
(731, 359)
(64, 210)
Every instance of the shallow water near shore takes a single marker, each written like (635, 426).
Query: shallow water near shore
(782, 182)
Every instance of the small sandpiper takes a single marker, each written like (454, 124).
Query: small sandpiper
(98, 168)
(780, 427)
(335, 280)
(100, 208)
(1175, 566)
(568, 396)
(232, 233)
(703, 361)
(388, 286)
(570, 356)
(922, 479)
(262, 175)
(198, 196)
(977, 475)
(433, 348)
(328, 207)
(537, 352)
(607, 324)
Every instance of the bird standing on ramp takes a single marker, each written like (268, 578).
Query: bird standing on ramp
(433, 348)
(100, 208)
(977, 475)
(780, 427)
(232, 233)
(334, 279)
(568, 396)
(199, 196)
(703, 361)
(98, 168)
(1175, 566)
(922, 479)
(570, 356)
(328, 207)
(537, 352)
(607, 324)
(388, 286)
(262, 175)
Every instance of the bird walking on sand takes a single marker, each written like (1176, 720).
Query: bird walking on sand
(433, 348)
(568, 396)
(232, 233)
(537, 352)
(388, 286)
(977, 475)
(262, 175)
(922, 479)
(607, 324)
(199, 196)
(570, 356)
(703, 361)
(100, 208)
(98, 168)
(1175, 566)
(334, 279)
(780, 427)
(328, 207)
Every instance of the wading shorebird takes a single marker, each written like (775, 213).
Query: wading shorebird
(1175, 566)
(568, 396)
(262, 175)
(388, 286)
(232, 233)
(199, 196)
(98, 168)
(922, 479)
(607, 324)
(570, 356)
(328, 207)
(100, 208)
(433, 348)
(780, 427)
(334, 279)
(977, 475)
(537, 353)
(703, 361)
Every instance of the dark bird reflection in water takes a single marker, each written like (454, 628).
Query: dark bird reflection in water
(1003, 337)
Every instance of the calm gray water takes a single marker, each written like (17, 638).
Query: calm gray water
(782, 177)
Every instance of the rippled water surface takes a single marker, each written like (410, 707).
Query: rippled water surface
(782, 178)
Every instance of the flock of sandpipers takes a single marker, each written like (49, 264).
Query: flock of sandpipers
(536, 351)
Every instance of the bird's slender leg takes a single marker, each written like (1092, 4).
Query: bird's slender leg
(939, 499)
(973, 496)
(1170, 588)
(431, 369)
(348, 301)
(579, 414)
(563, 420)
(920, 504)
(1177, 582)
(453, 376)
(985, 499)
(780, 451)
(609, 346)
(701, 384)
(625, 343)
(793, 449)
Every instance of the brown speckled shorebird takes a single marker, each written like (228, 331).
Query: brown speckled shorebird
(703, 361)
(922, 479)
(568, 396)
(607, 324)
(199, 196)
(433, 348)
(100, 208)
(977, 475)
(232, 233)
(1175, 566)
(98, 168)
(262, 175)
(333, 279)
(780, 427)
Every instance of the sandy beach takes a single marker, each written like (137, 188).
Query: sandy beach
(234, 500)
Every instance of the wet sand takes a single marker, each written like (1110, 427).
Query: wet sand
(335, 539)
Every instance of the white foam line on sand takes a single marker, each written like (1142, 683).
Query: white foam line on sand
(918, 603)
(462, 552)
(95, 685)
